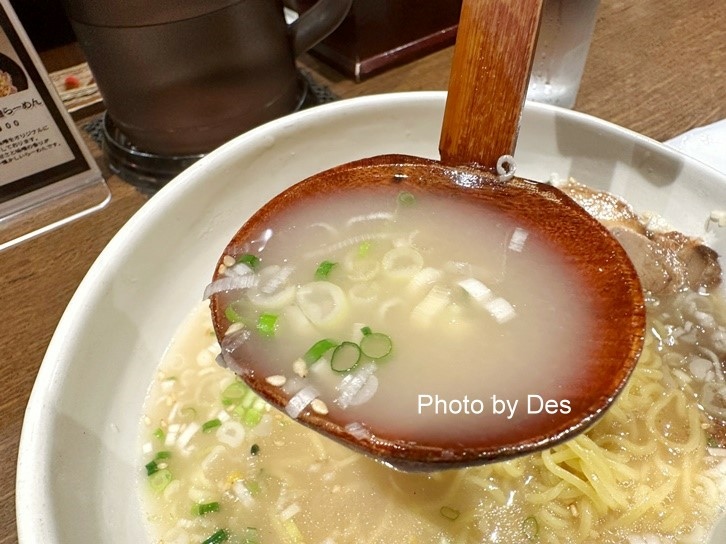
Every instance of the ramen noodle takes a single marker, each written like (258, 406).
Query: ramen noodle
(221, 466)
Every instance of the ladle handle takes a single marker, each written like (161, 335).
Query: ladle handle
(489, 76)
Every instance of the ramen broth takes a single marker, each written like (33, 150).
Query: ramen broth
(220, 465)
(438, 308)
(225, 466)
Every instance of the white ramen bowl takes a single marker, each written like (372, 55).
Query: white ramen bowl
(79, 460)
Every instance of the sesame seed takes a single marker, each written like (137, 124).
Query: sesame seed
(300, 368)
(277, 380)
(228, 261)
(319, 407)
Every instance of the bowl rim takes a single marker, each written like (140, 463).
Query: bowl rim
(34, 463)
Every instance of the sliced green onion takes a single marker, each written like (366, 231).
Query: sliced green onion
(324, 270)
(239, 411)
(376, 345)
(249, 399)
(449, 513)
(240, 312)
(249, 409)
(205, 508)
(250, 536)
(188, 413)
(318, 349)
(266, 324)
(345, 357)
(364, 248)
(293, 531)
(530, 528)
(406, 199)
(252, 417)
(231, 314)
(253, 261)
(162, 455)
(160, 479)
(220, 536)
(151, 468)
(255, 449)
(207, 426)
(234, 392)
(253, 487)
(159, 433)
(366, 331)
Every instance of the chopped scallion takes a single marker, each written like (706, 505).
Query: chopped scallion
(324, 270)
(530, 528)
(253, 487)
(160, 479)
(449, 513)
(239, 411)
(376, 345)
(220, 536)
(318, 349)
(252, 417)
(250, 536)
(366, 331)
(249, 399)
(249, 409)
(293, 531)
(234, 392)
(253, 261)
(231, 314)
(208, 426)
(364, 248)
(405, 198)
(188, 413)
(162, 455)
(159, 434)
(205, 508)
(151, 468)
(345, 357)
(266, 324)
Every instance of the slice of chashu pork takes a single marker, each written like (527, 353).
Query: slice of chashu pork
(666, 262)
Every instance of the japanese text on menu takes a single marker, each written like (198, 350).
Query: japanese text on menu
(30, 140)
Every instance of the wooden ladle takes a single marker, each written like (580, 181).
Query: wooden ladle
(489, 78)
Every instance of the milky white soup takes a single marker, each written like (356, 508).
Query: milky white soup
(408, 312)
(219, 465)
(224, 467)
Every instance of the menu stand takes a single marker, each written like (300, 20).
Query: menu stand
(47, 174)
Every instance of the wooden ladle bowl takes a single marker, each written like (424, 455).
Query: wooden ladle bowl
(489, 77)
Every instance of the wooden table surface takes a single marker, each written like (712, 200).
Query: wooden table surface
(655, 66)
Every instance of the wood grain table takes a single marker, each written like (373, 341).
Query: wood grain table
(655, 66)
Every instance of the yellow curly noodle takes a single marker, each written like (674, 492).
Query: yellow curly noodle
(643, 469)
